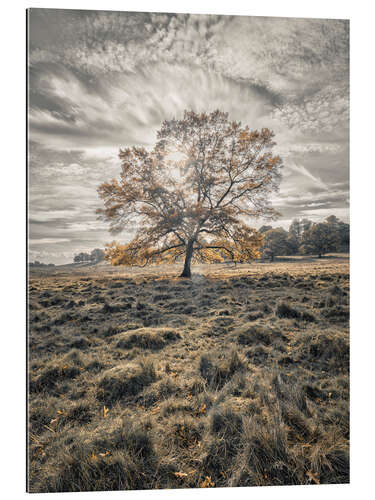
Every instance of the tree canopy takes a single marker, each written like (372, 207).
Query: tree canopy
(307, 237)
(96, 255)
(275, 243)
(320, 238)
(194, 193)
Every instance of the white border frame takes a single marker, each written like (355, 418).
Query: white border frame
(13, 257)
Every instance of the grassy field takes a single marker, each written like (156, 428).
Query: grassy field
(238, 377)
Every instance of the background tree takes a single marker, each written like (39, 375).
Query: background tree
(82, 257)
(305, 224)
(275, 243)
(264, 229)
(193, 194)
(320, 239)
(97, 255)
(294, 236)
(343, 232)
(37, 263)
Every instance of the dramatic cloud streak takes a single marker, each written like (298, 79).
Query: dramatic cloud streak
(104, 80)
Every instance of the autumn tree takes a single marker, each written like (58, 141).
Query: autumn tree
(275, 243)
(194, 193)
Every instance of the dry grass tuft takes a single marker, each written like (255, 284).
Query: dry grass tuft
(217, 372)
(147, 338)
(125, 380)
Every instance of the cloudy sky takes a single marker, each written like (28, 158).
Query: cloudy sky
(100, 80)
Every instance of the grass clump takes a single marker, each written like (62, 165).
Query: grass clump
(218, 372)
(125, 380)
(250, 334)
(184, 432)
(284, 310)
(338, 313)
(123, 460)
(222, 443)
(51, 374)
(265, 457)
(147, 338)
(325, 348)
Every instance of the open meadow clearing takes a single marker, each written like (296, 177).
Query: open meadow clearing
(236, 377)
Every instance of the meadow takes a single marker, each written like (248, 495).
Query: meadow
(139, 379)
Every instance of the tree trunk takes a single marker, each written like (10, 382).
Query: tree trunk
(186, 273)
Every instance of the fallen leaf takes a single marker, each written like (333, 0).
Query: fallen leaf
(207, 483)
(105, 411)
(180, 474)
(313, 476)
(202, 409)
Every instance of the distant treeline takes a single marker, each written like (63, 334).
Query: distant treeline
(306, 237)
(97, 255)
(40, 264)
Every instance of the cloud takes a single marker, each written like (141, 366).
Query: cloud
(132, 107)
(322, 112)
(300, 169)
(46, 241)
(323, 213)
